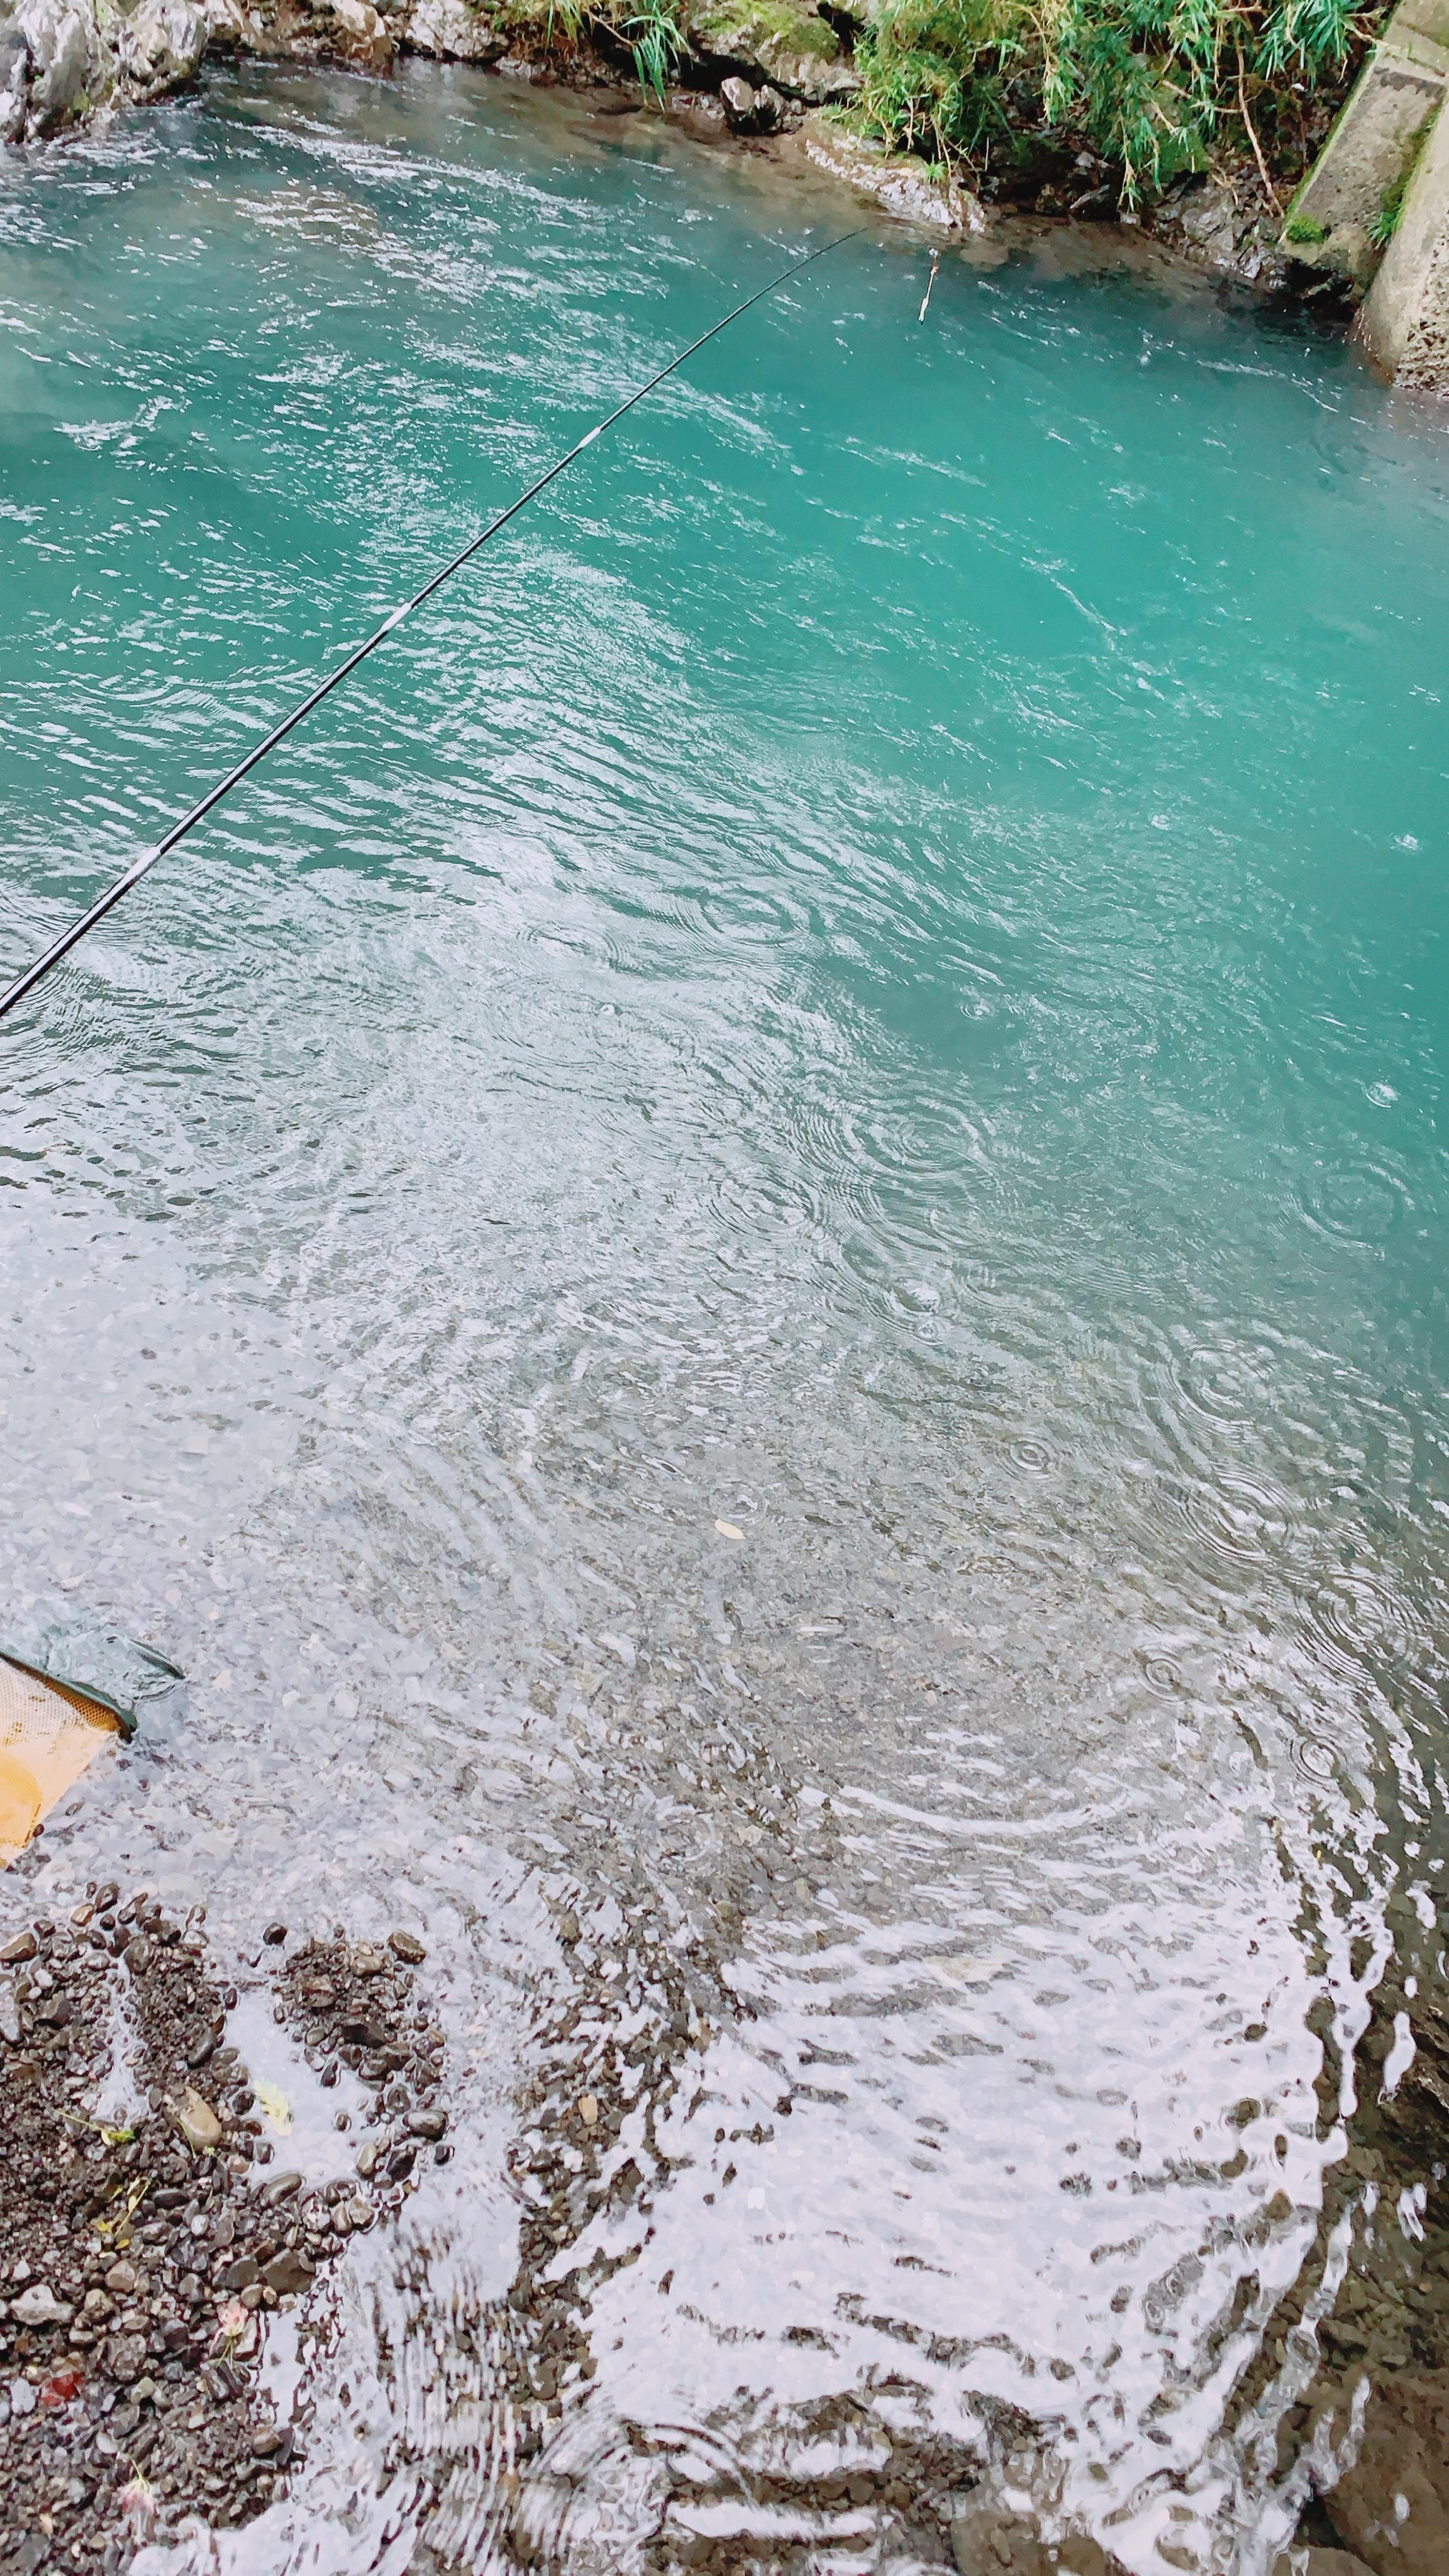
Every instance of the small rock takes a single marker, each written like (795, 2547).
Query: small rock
(196, 2121)
(23, 2399)
(39, 2306)
(360, 2210)
(589, 2110)
(122, 2280)
(137, 1955)
(126, 2357)
(9, 2016)
(281, 2187)
(367, 1961)
(407, 1947)
(739, 104)
(24, 1946)
(275, 1933)
(427, 2124)
(367, 2161)
(265, 2440)
(240, 2274)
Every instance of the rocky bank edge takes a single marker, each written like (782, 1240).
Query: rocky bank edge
(138, 2259)
(750, 67)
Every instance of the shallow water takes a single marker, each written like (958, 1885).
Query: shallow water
(754, 1252)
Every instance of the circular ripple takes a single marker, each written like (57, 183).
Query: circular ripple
(1361, 1203)
(1314, 1757)
(1163, 1674)
(1228, 1384)
(1239, 1520)
(1033, 1454)
(1361, 1614)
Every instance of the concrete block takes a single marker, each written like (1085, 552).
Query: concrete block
(1404, 324)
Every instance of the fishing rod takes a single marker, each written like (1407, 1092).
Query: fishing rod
(68, 939)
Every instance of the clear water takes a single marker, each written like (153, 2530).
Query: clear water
(874, 975)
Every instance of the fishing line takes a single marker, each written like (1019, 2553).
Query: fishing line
(68, 939)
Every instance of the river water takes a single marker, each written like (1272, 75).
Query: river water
(750, 1267)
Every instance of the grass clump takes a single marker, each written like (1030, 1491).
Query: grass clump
(1386, 222)
(1152, 85)
(651, 30)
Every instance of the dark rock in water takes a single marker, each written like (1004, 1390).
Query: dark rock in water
(989, 2540)
(288, 2272)
(24, 1946)
(427, 2124)
(407, 1947)
(1392, 2506)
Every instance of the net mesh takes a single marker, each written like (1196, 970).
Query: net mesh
(48, 1735)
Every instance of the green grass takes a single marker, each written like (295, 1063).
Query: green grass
(1386, 222)
(1152, 84)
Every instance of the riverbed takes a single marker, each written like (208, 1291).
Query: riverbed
(749, 1267)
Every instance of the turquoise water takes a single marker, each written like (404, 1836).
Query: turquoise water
(756, 1248)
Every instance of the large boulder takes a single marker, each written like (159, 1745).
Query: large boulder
(784, 41)
(361, 35)
(897, 180)
(14, 82)
(330, 31)
(55, 68)
(241, 26)
(454, 31)
(158, 45)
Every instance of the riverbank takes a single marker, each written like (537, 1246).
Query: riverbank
(746, 1269)
(783, 68)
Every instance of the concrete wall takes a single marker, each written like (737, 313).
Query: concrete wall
(1404, 324)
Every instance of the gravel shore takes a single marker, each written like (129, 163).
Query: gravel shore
(142, 2250)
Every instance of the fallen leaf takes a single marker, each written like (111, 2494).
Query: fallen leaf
(274, 2104)
(727, 1529)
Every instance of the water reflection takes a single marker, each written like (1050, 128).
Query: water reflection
(719, 1275)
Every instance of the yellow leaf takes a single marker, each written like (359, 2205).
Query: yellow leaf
(274, 2103)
